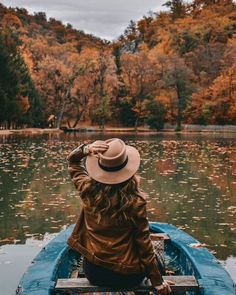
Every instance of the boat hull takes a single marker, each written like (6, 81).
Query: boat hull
(56, 260)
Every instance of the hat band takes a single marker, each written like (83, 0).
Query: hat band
(115, 168)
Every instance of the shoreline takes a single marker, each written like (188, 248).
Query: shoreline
(30, 131)
(187, 129)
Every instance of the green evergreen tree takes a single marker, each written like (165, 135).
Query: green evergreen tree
(156, 114)
(15, 84)
(8, 85)
(177, 8)
(102, 113)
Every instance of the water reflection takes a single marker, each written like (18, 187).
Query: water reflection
(14, 260)
(192, 185)
(190, 180)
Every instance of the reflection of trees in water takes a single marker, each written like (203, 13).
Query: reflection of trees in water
(12, 178)
(165, 167)
(190, 184)
(37, 194)
(186, 194)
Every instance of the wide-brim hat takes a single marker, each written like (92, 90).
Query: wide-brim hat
(116, 165)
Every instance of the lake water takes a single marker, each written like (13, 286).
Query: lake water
(190, 180)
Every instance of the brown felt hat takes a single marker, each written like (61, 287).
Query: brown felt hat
(117, 164)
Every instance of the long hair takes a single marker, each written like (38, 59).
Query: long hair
(113, 200)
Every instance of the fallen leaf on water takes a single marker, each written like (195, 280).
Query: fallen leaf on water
(197, 245)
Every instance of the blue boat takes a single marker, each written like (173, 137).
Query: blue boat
(56, 261)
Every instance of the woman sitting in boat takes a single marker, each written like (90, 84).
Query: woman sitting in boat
(112, 231)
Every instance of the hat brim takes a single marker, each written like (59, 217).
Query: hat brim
(114, 177)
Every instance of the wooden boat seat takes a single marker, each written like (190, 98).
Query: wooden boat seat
(81, 285)
(77, 283)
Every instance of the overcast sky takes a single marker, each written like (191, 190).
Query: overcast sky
(104, 18)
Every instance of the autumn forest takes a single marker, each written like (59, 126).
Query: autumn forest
(176, 66)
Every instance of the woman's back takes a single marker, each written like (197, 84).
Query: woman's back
(112, 231)
(109, 240)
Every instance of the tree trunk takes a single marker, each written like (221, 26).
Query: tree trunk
(179, 116)
(178, 127)
(60, 116)
(76, 122)
(79, 115)
(179, 111)
(67, 95)
(103, 124)
(136, 125)
(68, 123)
(61, 113)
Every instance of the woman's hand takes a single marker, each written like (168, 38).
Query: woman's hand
(164, 288)
(96, 148)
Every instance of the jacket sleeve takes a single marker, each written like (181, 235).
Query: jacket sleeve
(76, 168)
(144, 244)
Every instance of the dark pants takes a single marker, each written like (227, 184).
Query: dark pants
(101, 276)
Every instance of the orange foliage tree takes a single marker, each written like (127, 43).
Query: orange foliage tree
(218, 103)
(155, 62)
(141, 79)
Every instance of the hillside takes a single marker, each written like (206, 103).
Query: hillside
(194, 50)
(176, 66)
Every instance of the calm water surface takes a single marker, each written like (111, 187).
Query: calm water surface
(190, 180)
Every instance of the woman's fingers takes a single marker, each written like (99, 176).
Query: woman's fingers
(164, 288)
(101, 148)
(98, 148)
(101, 145)
(169, 282)
(168, 289)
